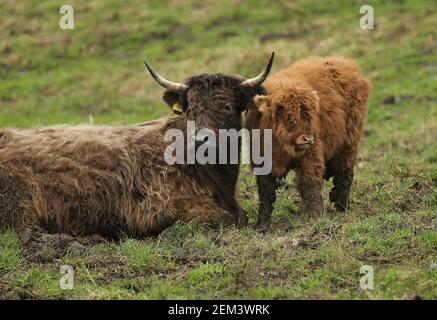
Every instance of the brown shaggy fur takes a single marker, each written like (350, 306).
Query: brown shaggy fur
(114, 181)
(316, 109)
(83, 180)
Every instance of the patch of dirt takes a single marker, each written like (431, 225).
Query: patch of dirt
(419, 189)
(192, 257)
(9, 293)
(113, 267)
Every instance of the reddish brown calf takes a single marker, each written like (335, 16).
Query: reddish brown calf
(316, 109)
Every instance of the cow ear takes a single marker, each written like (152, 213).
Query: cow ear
(175, 100)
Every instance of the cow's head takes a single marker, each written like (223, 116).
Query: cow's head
(213, 101)
(291, 114)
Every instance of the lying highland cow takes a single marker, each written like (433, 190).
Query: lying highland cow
(60, 182)
(316, 110)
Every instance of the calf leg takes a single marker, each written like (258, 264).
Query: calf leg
(312, 202)
(267, 194)
(339, 194)
(343, 176)
(310, 173)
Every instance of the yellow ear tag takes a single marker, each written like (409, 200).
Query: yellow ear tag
(177, 108)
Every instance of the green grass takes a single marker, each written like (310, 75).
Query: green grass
(49, 76)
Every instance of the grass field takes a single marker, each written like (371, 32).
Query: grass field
(95, 73)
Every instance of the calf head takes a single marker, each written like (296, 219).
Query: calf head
(291, 114)
(213, 101)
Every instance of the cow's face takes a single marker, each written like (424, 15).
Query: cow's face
(213, 101)
(290, 113)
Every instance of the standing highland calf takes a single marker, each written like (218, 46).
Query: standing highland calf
(316, 110)
(61, 182)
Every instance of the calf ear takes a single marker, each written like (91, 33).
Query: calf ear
(261, 102)
(175, 100)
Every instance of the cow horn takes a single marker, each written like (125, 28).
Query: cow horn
(163, 81)
(261, 77)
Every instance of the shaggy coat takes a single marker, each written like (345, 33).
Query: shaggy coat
(114, 181)
(316, 109)
(111, 181)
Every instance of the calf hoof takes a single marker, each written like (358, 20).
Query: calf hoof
(341, 204)
(340, 199)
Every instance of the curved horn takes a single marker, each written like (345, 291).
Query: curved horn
(261, 77)
(163, 81)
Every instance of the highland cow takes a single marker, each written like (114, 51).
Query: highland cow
(61, 182)
(316, 109)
